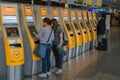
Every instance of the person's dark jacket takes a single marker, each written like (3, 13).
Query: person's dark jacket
(101, 27)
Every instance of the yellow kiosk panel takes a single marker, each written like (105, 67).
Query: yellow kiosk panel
(43, 11)
(55, 12)
(99, 3)
(28, 11)
(90, 2)
(9, 10)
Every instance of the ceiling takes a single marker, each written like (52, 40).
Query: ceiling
(112, 3)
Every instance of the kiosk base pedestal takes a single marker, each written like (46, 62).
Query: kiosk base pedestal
(70, 53)
(77, 51)
(80, 52)
(14, 73)
(36, 67)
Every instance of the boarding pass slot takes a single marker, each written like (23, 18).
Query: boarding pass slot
(79, 33)
(71, 35)
(15, 46)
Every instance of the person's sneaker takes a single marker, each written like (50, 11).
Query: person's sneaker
(48, 73)
(43, 75)
(54, 69)
(58, 71)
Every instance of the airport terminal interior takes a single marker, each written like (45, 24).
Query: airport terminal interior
(80, 24)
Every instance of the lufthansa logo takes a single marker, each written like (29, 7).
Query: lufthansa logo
(16, 54)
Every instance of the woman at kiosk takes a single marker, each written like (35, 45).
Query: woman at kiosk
(57, 44)
(46, 37)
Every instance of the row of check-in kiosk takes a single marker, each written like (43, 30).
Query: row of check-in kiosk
(18, 22)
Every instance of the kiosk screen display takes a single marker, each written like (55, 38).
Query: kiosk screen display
(82, 25)
(32, 29)
(76, 26)
(12, 32)
(92, 23)
(88, 24)
(68, 27)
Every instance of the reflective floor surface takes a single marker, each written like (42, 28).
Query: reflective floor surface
(93, 65)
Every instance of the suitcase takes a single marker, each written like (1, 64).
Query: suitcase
(104, 44)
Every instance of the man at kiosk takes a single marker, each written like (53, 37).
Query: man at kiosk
(101, 28)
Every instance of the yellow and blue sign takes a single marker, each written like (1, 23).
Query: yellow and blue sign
(96, 10)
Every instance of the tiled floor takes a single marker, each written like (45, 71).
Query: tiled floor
(93, 65)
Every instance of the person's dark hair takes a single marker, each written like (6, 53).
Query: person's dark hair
(99, 15)
(47, 20)
(102, 15)
(55, 24)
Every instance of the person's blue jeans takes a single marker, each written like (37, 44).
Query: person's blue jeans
(58, 57)
(46, 62)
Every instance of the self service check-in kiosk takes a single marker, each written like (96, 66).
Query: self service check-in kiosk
(88, 28)
(69, 32)
(77, 32)
(28, 27)
(13, 43)
(92, 27)
(83, 30)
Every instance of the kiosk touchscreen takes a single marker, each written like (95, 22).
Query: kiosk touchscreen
(69, 32)
(30, 27)
(77, 32)
(83, 30)
(13, 43)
